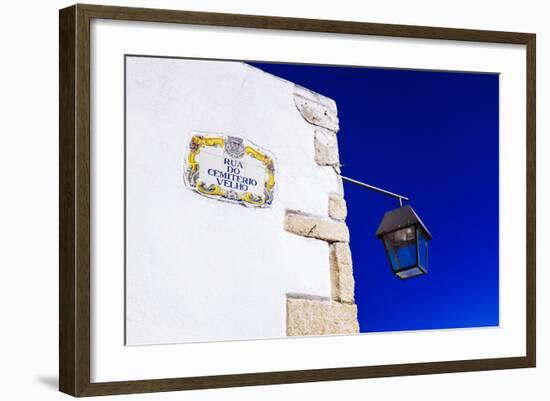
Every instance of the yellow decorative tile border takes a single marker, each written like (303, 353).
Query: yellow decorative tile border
(231, 186)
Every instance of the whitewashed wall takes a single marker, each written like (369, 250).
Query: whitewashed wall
(198, 269)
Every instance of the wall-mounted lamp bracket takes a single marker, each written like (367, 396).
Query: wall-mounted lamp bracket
(376, 189)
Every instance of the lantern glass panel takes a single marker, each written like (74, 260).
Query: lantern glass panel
(401, 247)
(422, 250)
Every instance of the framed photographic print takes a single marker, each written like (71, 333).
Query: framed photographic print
(250, 200)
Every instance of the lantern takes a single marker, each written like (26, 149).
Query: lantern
(405, 239)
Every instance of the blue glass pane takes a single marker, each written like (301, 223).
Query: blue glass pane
(422, 250)
(392, 255)
(401, 248)
(407, 255)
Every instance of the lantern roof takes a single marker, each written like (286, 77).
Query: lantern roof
(399, 218)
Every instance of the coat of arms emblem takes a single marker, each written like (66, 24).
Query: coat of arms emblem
(234, 147)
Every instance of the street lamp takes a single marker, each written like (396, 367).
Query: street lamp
(405, 239)
(404, 236)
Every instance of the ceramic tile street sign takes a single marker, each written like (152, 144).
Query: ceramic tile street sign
(230, 169)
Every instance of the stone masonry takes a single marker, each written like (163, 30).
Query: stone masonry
(323, 229)
(311, 315)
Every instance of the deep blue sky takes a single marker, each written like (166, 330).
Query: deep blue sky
(432, 136)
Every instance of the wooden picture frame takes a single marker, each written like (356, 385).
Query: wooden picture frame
(74, 200)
